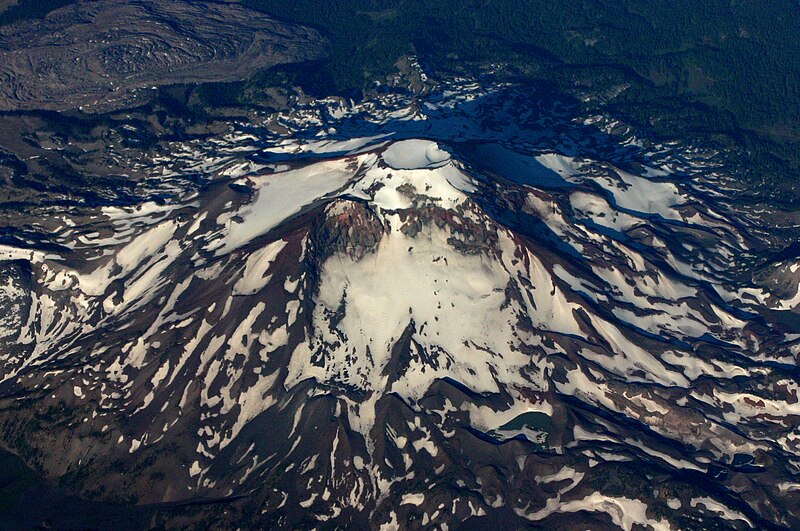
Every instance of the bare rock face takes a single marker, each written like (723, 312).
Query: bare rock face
(105, 55)
(365, 322)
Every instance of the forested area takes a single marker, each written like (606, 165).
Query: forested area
(27, 9)
(741, 55)
(726, 69)
(719, 68)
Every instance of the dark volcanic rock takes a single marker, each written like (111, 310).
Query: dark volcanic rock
(314, 338)
(105, 55)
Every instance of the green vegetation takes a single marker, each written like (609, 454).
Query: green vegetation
(28, 9)
(742, 56)
(15, 478)
(723, 69)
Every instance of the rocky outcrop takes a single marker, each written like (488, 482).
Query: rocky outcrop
(101, 55)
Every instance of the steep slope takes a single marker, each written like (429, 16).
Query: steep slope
(407, 315)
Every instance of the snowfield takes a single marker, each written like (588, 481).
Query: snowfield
(361, 333)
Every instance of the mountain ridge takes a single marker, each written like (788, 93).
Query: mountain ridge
(444, 285)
